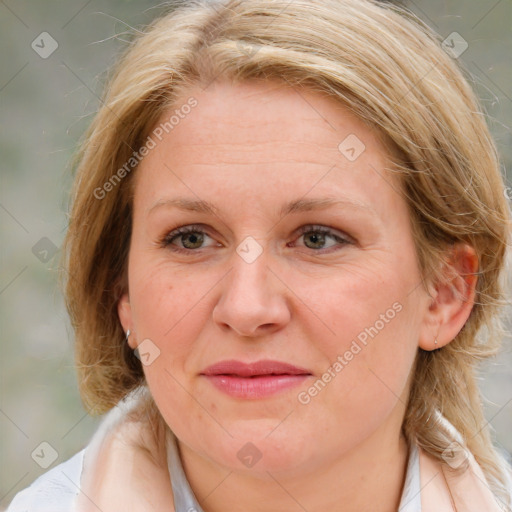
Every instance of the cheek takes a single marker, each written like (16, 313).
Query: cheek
(362, 302)
(374, 328)
(159, 298)
(167, 310)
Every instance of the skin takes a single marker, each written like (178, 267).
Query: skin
(249, 149)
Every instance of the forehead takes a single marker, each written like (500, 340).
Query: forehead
(261, 112)
(262, 139)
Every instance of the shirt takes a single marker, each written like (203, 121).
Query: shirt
(56, 490)
(185, 501)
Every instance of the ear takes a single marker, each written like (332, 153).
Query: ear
(452, 298)
(124, 311)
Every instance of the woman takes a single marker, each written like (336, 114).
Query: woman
(284, 263)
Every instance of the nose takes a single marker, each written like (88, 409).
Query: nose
(253, 299)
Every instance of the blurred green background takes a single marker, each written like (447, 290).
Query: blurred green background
(45, 105)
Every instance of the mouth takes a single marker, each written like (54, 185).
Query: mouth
(254, 380)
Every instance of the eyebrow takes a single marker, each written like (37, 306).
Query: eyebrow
(297, 206)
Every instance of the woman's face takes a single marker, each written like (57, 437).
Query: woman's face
(304, 257)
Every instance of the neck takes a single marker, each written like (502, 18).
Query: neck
(368, 478)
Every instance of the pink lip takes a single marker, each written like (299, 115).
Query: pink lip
(255, 380)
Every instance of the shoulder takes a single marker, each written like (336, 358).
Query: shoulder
(53, 491)
(122, 449)
(125, 466)
(458, 480)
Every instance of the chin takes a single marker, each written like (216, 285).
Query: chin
(259, 448)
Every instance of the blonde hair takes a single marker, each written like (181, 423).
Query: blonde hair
(392, 72)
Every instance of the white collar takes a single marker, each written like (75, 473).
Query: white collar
(411, 495)
(185, 501)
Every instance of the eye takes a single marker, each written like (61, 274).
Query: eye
(189, 237)
(315, 237)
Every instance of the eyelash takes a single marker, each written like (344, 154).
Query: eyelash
(167, 240)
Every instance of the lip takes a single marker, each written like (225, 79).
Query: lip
(256, 368)
(254, 380)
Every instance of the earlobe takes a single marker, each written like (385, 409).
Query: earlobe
(124, 312)
(452, 299)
